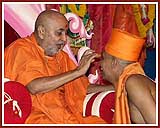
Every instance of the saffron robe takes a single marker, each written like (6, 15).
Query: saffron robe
(121, 114)
(24, 61)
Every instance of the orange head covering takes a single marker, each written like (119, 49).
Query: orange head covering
(124, 45)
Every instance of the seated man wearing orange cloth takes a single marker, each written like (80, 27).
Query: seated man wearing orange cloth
(135, 100)
(57, 86)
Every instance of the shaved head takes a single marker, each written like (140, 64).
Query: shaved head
(46, 17)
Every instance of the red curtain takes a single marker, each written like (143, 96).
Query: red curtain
(10, 34)
(102, 17)
(53, 6)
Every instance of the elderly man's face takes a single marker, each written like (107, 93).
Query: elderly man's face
(55, 36)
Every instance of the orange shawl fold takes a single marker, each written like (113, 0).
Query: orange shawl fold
(121, 114)
(25, 61)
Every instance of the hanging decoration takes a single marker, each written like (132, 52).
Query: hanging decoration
(144, 27)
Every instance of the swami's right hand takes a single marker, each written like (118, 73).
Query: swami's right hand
(87, 58)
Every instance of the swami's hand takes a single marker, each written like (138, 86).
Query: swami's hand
(87, 58)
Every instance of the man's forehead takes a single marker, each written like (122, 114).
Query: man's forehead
(105, 55)
(59, 24)
(61, 27)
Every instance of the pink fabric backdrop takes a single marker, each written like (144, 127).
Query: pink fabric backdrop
(21, 17)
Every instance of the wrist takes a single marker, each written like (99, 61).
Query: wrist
(78, 72)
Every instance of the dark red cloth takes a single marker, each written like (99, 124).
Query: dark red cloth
(53, 6)
(19, 93)
(105, 107)
(10, 34)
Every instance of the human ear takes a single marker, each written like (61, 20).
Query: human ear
(41, 31)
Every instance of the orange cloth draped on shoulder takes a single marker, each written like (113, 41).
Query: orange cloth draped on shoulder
(24, 61)
(121, 114)
(125, 46)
